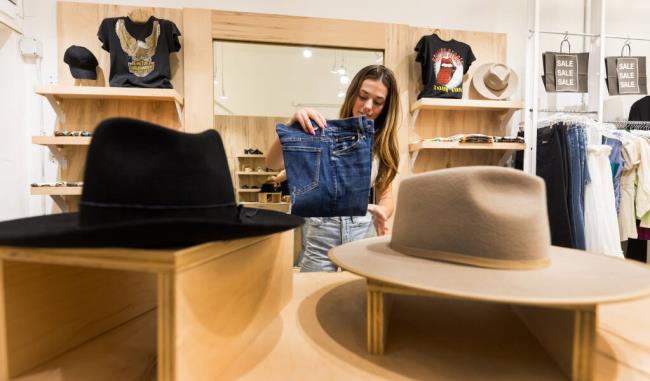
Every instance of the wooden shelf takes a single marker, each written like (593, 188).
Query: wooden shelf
(250, 156)
(249, 203)
(466, 105)
(127, 352)
(93, 92)
(248, 190)
(421, 145)
(56, 94)
(61, 140)
(56, 191)
(255, 173)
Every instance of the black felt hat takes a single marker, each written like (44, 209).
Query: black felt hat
(148, 186)
(82, 62)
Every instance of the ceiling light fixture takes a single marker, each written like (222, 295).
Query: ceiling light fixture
(307, 53)
(344, 79)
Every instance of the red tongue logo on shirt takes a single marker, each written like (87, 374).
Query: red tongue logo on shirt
(446, 71)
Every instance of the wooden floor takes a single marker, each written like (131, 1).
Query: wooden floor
(320, 335)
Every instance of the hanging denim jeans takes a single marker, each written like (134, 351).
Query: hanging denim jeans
(578, 179)
(329, 172)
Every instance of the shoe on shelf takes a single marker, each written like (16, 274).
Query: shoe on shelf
(248, 169)
(256, 152)
(244, 186)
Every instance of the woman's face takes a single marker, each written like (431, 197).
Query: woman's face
(371, 99)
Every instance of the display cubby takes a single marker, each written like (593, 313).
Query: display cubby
(81, 108)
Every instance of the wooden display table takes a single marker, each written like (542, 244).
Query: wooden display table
(320, 335)
(126, 314)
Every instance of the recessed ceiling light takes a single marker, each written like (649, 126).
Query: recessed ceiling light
(344, 79)
(306, 53)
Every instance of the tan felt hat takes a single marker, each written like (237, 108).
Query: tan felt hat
(495, 81)
(482, 232)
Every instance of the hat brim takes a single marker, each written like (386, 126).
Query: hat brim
(486, 92)
(63, 230)
(79, 73)
(573, 277)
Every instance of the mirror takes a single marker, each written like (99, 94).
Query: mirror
(255, 79)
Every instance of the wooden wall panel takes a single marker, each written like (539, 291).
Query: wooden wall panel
(294, 30)
(199, 90)
(77, 24)
(396, 57)
(241, 132)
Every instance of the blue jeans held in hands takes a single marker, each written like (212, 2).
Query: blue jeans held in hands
(329, 172)
(320, 234)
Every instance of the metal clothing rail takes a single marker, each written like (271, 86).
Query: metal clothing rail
(565, 111)
(626, 38)
(565, 33)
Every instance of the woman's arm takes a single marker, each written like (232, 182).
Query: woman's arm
(382, 211)
(274, 158)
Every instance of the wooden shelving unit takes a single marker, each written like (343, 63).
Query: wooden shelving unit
(423, 145)
(61, 140)
(465, 105)
(256, 173)
(59, 92)
(277, 206)
(56, 94)
(81, 108)
(56, 191)
(248, 190)
(472, 114)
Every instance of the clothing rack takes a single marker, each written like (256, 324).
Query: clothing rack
(626, 124)
(565, 33)
(627, 38)
(565, 111)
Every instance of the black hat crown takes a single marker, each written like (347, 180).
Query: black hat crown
(82, 62)
(136, 169)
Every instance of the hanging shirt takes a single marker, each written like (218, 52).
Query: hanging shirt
(601, 232)
(139, 51)
(443, 65)
(640, 110)
(631, 158)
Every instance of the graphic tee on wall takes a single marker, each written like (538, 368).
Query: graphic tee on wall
(443, 65)
(139, 51)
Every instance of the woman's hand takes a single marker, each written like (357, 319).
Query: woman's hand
(380, 218)
(280, 177)
(303, 116)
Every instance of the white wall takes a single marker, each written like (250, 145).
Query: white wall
(14, 136)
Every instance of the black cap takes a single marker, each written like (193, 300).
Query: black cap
(82, 62)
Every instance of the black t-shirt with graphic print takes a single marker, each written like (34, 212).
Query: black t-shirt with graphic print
(443, 65)
(139, 51)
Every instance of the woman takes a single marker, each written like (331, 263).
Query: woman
(373, 93)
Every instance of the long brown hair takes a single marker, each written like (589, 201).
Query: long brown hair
(385, 146)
